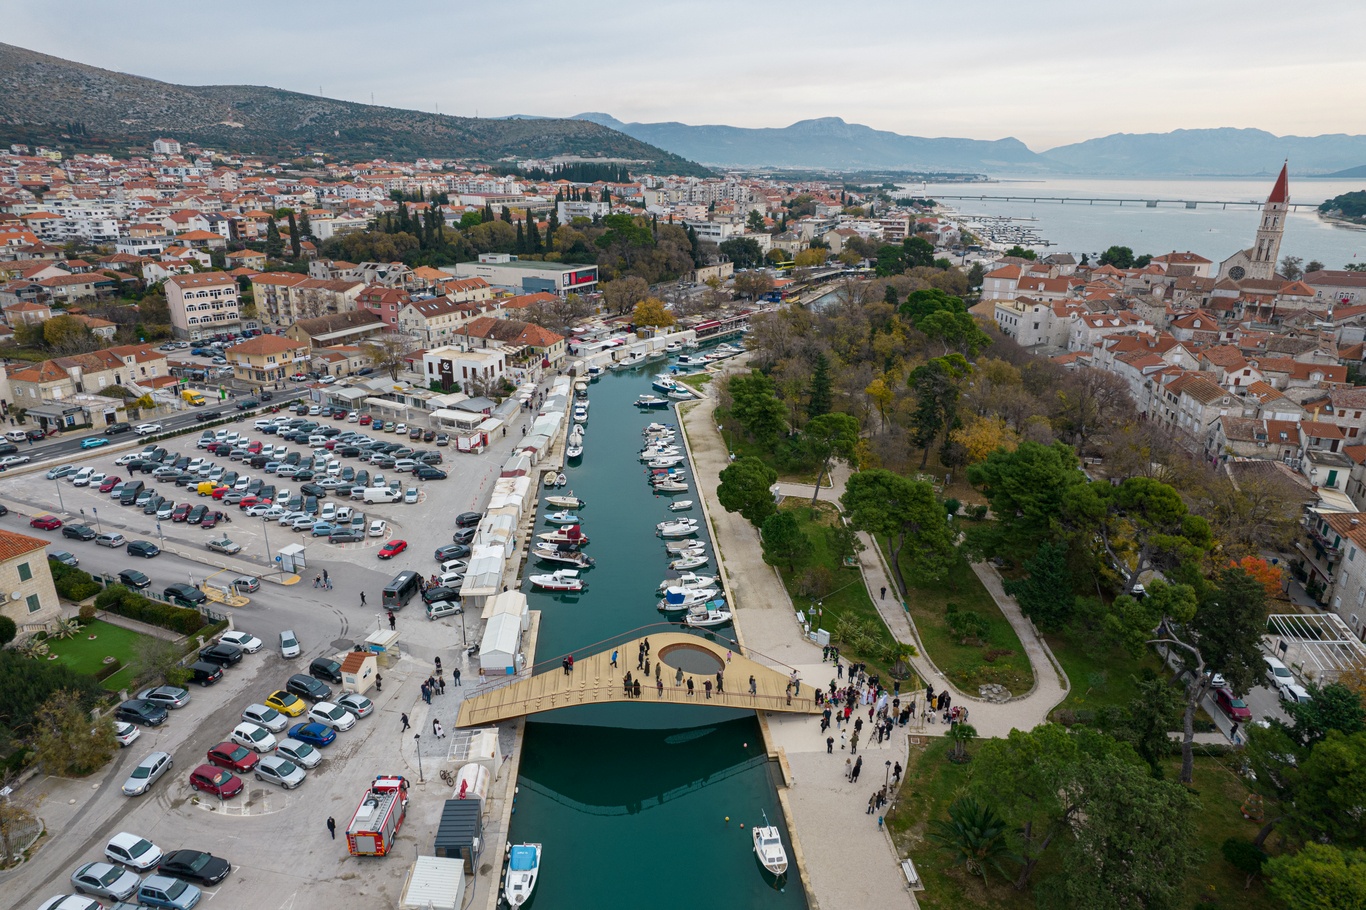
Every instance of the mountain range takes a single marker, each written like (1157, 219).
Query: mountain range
(829, 142)
(46, 100)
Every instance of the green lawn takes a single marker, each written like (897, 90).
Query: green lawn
(86, 656)
(932, 783)
(1100, 676)
(697, 381)
(848, 595)
(1000, 659)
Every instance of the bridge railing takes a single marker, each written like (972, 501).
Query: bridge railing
(651, 692)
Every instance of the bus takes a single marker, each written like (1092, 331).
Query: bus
(401, 590)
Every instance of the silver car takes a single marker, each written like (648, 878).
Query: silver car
(358, 705)
(299, 752)
(276, 770)
(148, 772)
(289, 644)
(265, 716)
(169, 697)
(105, 880)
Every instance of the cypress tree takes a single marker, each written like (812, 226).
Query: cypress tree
(533, 233)
(404, 222)
(507, 214)
(821, 388)
(606, 194)
(274, 245)
(520, 243)
(487, 217)
(294, 242)
(305, 226)
(551, 227)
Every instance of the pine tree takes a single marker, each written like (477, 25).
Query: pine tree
(274, 245)
(520, 243)
(821, 390)
(533, 234)
(305, 226)
(295, 242)
(551, 227)
(696, 248)
(507, 214)
(488, 214)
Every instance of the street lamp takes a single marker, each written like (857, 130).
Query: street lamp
(265, 529)
(160, 536)
(96, 513)
(418, 738)
(887, 780)
(61, 506)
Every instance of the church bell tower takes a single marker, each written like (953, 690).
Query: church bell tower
(1265, 253)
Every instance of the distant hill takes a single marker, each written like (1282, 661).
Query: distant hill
(828, 142)
(833, 144)
(43, 98)
(1349, 173)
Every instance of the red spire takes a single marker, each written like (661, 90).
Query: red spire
(1280, 193)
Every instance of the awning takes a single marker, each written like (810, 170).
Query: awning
(387, 404)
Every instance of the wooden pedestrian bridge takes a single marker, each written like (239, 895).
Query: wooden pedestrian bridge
(676, 656)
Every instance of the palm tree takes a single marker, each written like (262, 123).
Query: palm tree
(974, 833)
(961, 734)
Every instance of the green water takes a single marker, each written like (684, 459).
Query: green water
(630, 800)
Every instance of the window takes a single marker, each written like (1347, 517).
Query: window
(33, 605)
(25, 573)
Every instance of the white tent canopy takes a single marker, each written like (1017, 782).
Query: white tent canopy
(386, 404)
(484, 576)
(498, 649)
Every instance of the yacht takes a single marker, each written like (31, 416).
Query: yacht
(768, 846)
(704, 616)
(687, 580)
(559, 580)
(565, 502)
(524, 861)
(652, 402)
(679, 599)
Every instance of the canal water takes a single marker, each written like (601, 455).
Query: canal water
(630, 801)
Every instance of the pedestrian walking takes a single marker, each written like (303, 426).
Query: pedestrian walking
(455, 676)
(646, 643)
(647, 666)
(853, 744)
(635, 689)
(440, 685)
(564, 664)
(659, 685)
(392, 622)
(571, 663)
(839, 669)
(332, 827)
(872, 803)
(690, 687)
(884, 592)
(406, 725)
(830, 745)
(720, 682)
(325, 579)
(379, 683)
(426, 693)
(706, 685)
(362, 598)
(437, 662)
(436, 728)
(858, 767)
(896, 773)
(614, 657)
(844, 740)
(753, 686)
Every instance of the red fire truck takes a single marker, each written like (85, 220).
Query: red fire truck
(378, 817)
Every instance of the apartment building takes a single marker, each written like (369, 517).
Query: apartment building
(203, 305)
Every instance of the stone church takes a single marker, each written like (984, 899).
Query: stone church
(1258, 262)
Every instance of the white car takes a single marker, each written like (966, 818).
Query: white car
(330, 715)
(353, 417)
(255, 738)
(289, 644)
(265, 716)
(244, 640)
(451, 579)
(399, 428)
(260, 509)
(144, 429)
(132, 851)
(301, 753)
(16, 436)
(10, 461)
(126, 458)
(455, 565)
(276, 770)
(125, 732)
(262, 424)
(379, 527)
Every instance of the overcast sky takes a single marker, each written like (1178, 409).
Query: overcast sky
(1047, 73)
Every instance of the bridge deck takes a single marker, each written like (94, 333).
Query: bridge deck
(595, 681)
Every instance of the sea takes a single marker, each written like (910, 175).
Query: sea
(1214, 233)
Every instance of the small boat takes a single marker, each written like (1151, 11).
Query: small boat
(573, 451)
(704, 617)
(573, 535)
(681, 505)
(564, 555)
(581, 389)
(563, 518)
(658, 354)
(687, 580)
(670, 486)
(676, 529)
(664, 383)
(682, 546)
(673, 347)
(561, 480)
(580, 414)
(664, 461)
(550, 479)
(693, 360)
(678, 599)
(656, 429)
(693, 560)
(768, 846)
(650, 453)
(662, 474)
(559, 580)
(681, 394)
(652, 402)
(524, 861)
(661, 525)
(595, 370)
(565, 502)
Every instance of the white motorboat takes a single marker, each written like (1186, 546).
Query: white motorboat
(549, 479)
(703, 617)
(650, 453)
(524, 861)
(693, 560)
(633, 359)
(670, 522)
(670, 486)
(658, 354)
(677, 599)
(768, 846)
(655, 429)
(673, 530)
(580, 414)
(693, 360)
(581, 389)
(652, 402)
(667, 474)
(565, 502)
(682, 505)
(687, 580)
(595, 371)
(561, 480)
(681, 394)
(664, 383)
(559, 580)
(564, 555)
(563, 518)
(664, 461)
(573, 450)
(572, 535)
(673, 347)
(679, 547)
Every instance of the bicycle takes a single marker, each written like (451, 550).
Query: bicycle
(447, 778)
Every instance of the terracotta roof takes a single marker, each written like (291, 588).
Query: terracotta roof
(13, 545)
(266, 344)
(201, 280)
(1280, 193)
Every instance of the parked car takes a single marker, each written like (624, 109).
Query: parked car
(144, 548)
(142, 713)
(314, 734)
(220, 782)
(163, 891)
(221, 653)
(196, 865)
(275, 769)
(232, 756)
(223, 545)
(344, 535)
(289, 644)
(301, 753)
(249, 643)
(442, 608)
(330, 715)
(258, 739)
(436, 593)
(65, 558)
(184, 595)
(286, 703)
(265, 716)
(110, 540)
(308, 687)
(132, 851)
(77, 532)
(170, 697)
(204, 673)
(147, 772)
(105, 880)
(452, 551)
(468, 519)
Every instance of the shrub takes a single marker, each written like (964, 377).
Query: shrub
(7, 630)
(87, 613)
(120, 600)
(977, 513)
(72, 584)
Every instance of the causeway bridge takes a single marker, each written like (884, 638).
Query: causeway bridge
(1146, 203)
(594, 681)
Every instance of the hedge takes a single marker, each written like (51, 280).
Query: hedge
(120, 600)
(73, 584)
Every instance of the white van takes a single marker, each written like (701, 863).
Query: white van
(380, 494)
(82, 477)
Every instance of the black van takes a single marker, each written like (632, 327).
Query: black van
(131, 489)
(402, 589)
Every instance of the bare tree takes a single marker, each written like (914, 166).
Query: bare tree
(388, 353)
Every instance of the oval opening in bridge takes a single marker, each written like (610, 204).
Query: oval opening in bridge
(691, 659)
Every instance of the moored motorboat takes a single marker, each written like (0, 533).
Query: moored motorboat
(652, 402)
(573, 450)
(664, 461)
(655, 429)
(561, 480)
(549, 479)
(564, 555)
(704, 617)
(687, 580)
(651, 453)
(681, 394)
(677, 547)
(595, 371)
(559, 580)
(673, 347)
(524, 862)
(580, 413)
(685, 527)
(572, 535)
(692, 560)
(768, 846)
(693, 360)
(664, 383)
(565, 502)
(670, 486)
(563, 518)
(682, 505)
(678, 599)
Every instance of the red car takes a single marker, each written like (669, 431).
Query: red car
(220, 492)
(110, 482)
(213, 780)
(364, 420)
(248, 501)
(1231, 705)
(255, 447)
(340, 414)
(211, 519)
(46, 522)
(181, 512)
(392, 549)
(233, 757)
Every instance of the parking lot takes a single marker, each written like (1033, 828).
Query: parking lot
(276, 840)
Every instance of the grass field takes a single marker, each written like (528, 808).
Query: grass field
(86, 656)
(932, 783)
(1100, 676)
(1001, 659)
